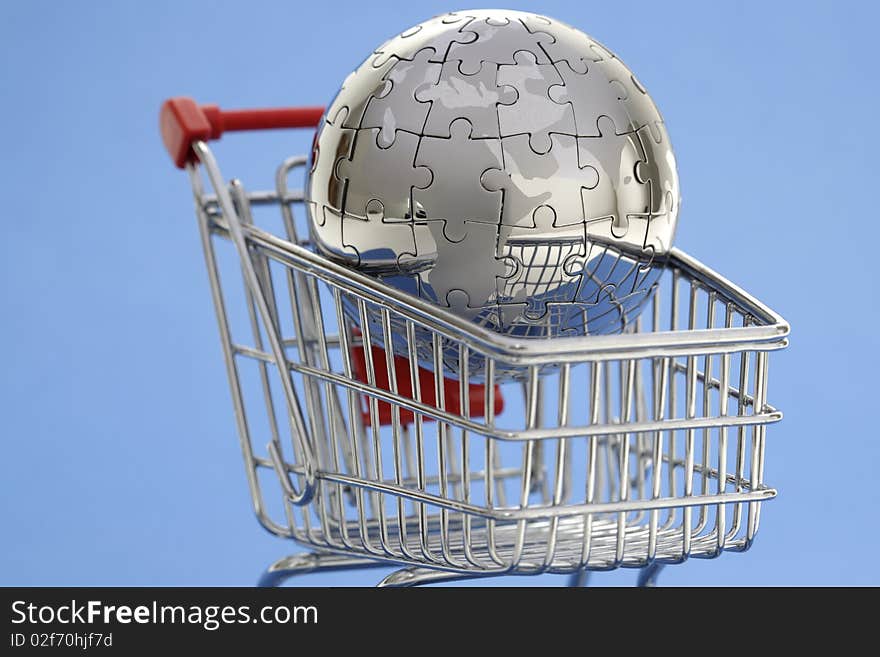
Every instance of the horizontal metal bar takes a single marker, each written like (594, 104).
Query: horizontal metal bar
(523, 352)
(332, 340)
(511, 473)
(539, 512)
(679, 368)
(602, 557)
(262, 197)
(451, 478)
(526, 434)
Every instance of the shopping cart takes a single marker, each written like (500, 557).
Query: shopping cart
(633, 450)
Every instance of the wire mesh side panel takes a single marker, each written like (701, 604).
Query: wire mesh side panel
(599, 463)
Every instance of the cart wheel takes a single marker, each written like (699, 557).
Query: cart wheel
(579, 579)
(648, 575)
(312, 562)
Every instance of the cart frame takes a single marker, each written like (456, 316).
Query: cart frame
(630, 450)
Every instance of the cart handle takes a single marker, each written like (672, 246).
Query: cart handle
(182, 122)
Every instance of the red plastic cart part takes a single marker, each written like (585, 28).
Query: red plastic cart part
(451, 388)
(183, 121)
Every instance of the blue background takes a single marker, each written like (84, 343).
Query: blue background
(120, 463)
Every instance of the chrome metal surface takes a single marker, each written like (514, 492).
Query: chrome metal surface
(501, 165)
(638, 449)
(306, 563)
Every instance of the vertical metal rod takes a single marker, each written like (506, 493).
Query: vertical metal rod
(396, 450)
(672, 412)
(608, 439)
(642, 454)
(260, 267)
(705, 461)
(723, 403)
(421, 480)
(374, 465)
(355, 422)
(660, 388)
(659, 372)
(592, 459)
(442, 445)
(532, 401)
(494, 485)
(312, 324)
(308, 486)
(465, 408)
(623, 456)
(561, 463)
(229, 357)
(744, 366)
(757, 464)
(690, 413)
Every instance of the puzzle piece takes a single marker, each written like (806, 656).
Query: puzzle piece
(630, 93)
(610, 206)
(335, 144)
(329, 238)
(378, 168)
(600, 52)
(458, 164)
(475, 271)
(531, 180)
(516, 324)
(638, 207)
(392, 108)
(569, 318)
(485, 315)
(658, 173)
(434, 34)
(540, 254)
(379, 250)
(634, 107)
(595, 271)
(472, 97)
(640, 223)
(562, 42)
(544, 280)
(534, 113)
(347, 109)
(604, 265)
(493, 42)
(425, 253)
(589, 95)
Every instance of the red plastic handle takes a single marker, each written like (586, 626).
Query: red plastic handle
(182, 121)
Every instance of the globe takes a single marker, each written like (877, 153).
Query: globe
(503, 166)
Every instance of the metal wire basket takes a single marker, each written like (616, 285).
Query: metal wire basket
(634, 450)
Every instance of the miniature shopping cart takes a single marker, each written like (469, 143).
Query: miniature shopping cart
(633, 450)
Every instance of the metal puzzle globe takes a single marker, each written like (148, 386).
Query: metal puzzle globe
(502, 165)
